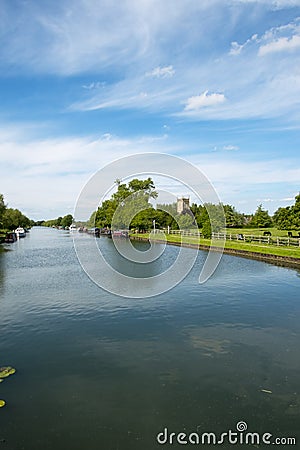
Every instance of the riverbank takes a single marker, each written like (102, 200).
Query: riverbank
(276, 255)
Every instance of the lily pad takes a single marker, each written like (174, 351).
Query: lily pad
(2, 403)
(6, 371)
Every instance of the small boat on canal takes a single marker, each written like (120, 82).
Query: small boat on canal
(20, 232)
(10, 237)
(72, 227)
(120, 233)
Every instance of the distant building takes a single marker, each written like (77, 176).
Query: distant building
(183, 205)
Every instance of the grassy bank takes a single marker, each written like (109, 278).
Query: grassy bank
(251, 247)
(260, 231)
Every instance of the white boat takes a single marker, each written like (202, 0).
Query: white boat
(73, 227)
(20, 232)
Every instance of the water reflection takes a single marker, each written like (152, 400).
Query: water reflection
(98, 371)
(2, 268)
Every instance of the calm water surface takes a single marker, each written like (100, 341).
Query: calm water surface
(95, 371)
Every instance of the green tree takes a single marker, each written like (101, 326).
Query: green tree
(13, 218)
(128, 198)
(185, 221)
(233, 218)
(144, 219)
(288, 218)
(215, 214)
(2, 205)
(165, 216)
(92, 219)
(261, 218)
(66, 221)
(283, 218)
(206, 229)
(58, 221)
(2, 210)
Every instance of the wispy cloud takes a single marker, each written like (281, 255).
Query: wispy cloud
(204, 100)
(55, 169)
(280, 45)
(79, 38)
(237, 48)
(243, 85)
(231, 148)
(65, 164)
(284, 38)
(94, 85)
(161, 72)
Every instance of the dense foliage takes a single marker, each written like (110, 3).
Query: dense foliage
(260, 219)
(207, 217)
(10, 218)
(288, 218)
(62, 222)
(130, 207)
(119, 210)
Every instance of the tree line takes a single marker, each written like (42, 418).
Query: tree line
(10, 218)
(60, 222)
(136, 195)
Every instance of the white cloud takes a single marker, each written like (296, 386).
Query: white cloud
(161, 72)
(280, 45)
(80, 37)
(94, 85)
(53, 171)
(204, 100)
(237, 48)
(231, 147)
(250, 173)
(273, 4)
(106, 136)
(284, 38)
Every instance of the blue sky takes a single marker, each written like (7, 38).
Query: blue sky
(83, 82)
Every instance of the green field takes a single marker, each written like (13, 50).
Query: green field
(260, 231)
(268, 249)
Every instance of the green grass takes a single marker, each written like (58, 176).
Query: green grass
(260, 231)
(268, 249)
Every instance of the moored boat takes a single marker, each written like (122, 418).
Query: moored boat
(120, 233)
(94, 231)
(10, 237)
(20, 232)
(73, 227)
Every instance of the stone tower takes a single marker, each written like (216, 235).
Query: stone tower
(183, 205)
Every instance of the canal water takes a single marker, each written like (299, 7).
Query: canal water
(96, 371)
